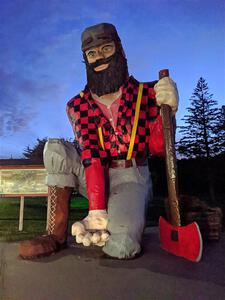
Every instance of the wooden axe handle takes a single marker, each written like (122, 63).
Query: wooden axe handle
(170, 156)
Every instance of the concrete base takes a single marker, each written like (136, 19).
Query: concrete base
(80, 273)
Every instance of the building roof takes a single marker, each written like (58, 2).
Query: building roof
(21, 162)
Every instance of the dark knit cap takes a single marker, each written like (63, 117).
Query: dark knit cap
(99, 34)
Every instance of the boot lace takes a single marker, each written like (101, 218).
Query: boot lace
(52, 210)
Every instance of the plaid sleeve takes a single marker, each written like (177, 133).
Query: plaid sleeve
(156, 138)
(72, 119)
(85, 131)
(153, 109)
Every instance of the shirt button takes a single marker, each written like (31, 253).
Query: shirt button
(116, 133)
(108, 106)
(110, 119)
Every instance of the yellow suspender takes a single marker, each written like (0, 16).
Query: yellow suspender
(134, 129)
(136, 117)
(101, 137)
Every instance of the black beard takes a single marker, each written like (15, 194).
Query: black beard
(109, 80)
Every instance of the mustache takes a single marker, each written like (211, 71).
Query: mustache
(101, 61)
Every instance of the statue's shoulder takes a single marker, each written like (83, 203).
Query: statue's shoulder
(76, 100)
(133, 80)
(147, 84)
(150, 84)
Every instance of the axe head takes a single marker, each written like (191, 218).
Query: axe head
(184, 241)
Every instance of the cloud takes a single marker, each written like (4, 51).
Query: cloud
(19, 101)
(15, 115)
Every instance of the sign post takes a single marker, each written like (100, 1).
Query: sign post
(21, 213)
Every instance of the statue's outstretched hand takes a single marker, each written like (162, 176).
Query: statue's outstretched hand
(92, 229)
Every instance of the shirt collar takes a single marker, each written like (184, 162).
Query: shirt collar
(129, 89)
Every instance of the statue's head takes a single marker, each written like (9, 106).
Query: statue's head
(105, 59)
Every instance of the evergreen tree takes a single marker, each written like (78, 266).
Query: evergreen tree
(203, 134)
(219, 131)
(37, 151)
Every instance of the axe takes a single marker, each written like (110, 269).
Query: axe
(184, 241)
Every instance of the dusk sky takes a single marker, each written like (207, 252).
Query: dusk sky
(41, 64)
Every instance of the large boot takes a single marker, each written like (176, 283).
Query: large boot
(56, 237)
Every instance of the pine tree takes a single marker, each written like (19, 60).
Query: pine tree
(203, 135)
(219, 131)
(37, 151)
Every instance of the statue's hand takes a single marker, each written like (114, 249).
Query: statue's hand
(166, 93)
(92, 229)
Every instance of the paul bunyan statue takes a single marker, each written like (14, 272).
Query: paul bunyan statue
(117, 124)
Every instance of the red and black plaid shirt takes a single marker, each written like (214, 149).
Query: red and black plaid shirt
(85, 117)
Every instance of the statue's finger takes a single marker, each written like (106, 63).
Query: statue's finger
(104, 236)
(77, 228)
(87, 239)
(80, 237)
(96, 237)
(100, 244)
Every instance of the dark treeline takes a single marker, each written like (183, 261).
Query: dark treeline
(192, 178)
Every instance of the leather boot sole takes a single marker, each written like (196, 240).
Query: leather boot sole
(40, 247)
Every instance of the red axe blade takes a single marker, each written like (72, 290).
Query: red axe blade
(184, 241)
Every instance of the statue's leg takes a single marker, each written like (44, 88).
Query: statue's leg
(130, 192)
(63, 166)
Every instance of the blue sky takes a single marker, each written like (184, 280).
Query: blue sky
(41, 62)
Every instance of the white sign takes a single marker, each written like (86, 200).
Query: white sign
(23, 181)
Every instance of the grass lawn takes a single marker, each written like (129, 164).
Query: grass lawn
(35, 213)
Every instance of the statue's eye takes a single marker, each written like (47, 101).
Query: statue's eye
(91, 53)
(107, 48)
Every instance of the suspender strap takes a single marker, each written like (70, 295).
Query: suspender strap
(101, 137)
(136, 117)
(134, 129)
